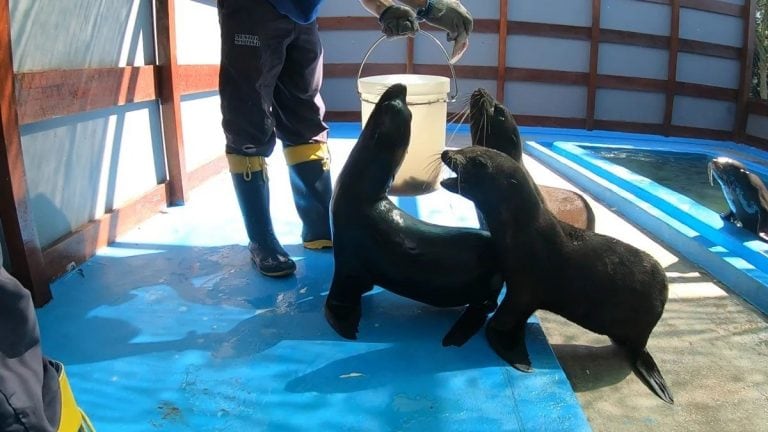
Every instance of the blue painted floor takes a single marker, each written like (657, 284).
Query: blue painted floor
(171, 328)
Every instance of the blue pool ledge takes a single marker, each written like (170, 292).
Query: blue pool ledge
(727, 253)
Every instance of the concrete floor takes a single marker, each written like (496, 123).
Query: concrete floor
(711, 347)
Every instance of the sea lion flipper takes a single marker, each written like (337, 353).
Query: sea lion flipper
(343, 318)
(469, 323)
(762, 226)
(728, 216)
(342, 307)
(651, 375)
(510, 346)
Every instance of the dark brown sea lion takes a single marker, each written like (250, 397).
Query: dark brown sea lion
(376, 243)
(745, 193)
(492, 125)
(593, 280)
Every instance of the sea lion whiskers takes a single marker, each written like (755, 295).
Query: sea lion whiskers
(433, 166)
(464, 114)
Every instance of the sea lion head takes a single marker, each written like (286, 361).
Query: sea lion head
(493, 126)
(388, 128)
(381, 147)
(726, 171)
(483, 175)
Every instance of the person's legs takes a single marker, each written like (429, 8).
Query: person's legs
(253, 40)
(299, 111)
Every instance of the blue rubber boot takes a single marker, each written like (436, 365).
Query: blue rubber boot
(309, 167)
(252, 189)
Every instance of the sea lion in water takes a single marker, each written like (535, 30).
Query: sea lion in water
(593, 280)
(745, 193)
(376, 243)
(492, 125)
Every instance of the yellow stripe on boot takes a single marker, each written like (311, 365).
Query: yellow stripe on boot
(308, 152)
(246, 165)
(318, 244)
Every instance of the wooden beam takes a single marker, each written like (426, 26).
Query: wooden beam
(170, 99)
(757, 106)
(561, 31)
(674, 44)
(660, 129)
(745, 83)
(410, 49)
(198, 78)
(594, 49)
(54, 93)
(545, 121)
(547, 76)
(501, 70)
(19, 229)
(714, 6)
(755, 141)
(709, 49)
(624, 37)
(631, 83)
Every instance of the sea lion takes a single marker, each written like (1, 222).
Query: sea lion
(376, 243)
(745, 193)
(492, 125)
(593, 280)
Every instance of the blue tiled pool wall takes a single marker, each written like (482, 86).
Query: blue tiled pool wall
(732, 255)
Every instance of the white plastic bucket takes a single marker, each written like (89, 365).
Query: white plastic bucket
(427, 99)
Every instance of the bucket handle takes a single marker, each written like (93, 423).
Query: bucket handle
(453, 73)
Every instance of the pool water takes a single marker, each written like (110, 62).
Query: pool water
(684, 173)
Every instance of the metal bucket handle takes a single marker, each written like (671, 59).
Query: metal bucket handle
(448, 58)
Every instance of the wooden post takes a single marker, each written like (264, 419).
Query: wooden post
(18, 223)
(674, 47)
(594, 48)
(410, 49)
(745, 84)
(501, 74)
(170, 100)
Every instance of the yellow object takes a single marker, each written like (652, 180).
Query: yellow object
(308, 152)
(318, 244)
(246, 165)
(73, 419)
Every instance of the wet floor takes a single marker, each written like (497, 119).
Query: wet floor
(171, 328)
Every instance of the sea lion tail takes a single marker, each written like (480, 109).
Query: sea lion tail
(650, 373)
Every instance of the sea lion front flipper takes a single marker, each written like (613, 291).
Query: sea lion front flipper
(469, 323)
(342, 307)
(510, 346)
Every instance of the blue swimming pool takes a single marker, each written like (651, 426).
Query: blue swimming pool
(682, 215)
